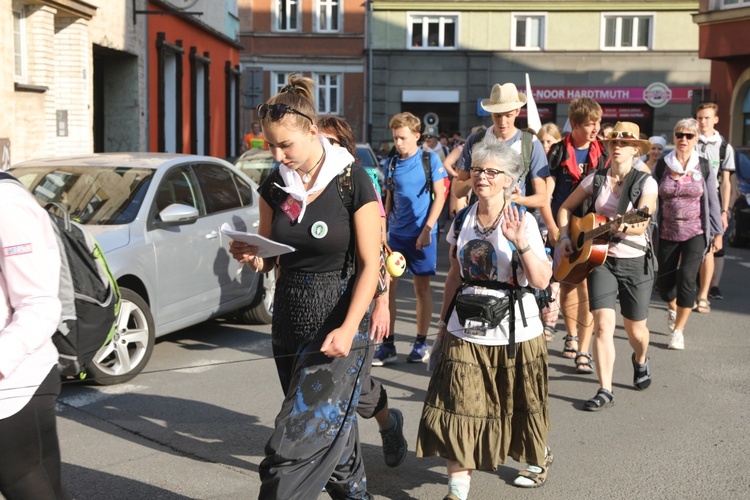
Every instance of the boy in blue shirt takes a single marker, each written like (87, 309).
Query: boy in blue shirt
(412, 224)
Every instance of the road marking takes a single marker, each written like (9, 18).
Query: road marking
(89, 396)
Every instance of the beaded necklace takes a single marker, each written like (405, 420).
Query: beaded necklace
(484, 232)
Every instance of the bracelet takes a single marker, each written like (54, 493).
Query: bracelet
(563, 237)
(441, 324)
(725, 211)
(524, 249)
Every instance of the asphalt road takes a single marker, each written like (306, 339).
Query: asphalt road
(194, 424)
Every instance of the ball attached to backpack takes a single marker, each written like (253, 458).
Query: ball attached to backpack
(395, 264)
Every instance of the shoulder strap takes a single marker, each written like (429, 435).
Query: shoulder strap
(458, 221)
(633, 186)
(7, 176)
(346, 188)
(722, 152)
(427, 167)
(391, 169)
(600, 175)
(527, 143)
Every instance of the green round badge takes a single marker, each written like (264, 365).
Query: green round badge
(319, 229)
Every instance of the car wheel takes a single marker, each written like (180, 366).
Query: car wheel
(733, 238)
(260, 312)
(127, 354)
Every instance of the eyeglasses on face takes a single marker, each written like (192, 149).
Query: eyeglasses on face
(686, 135)
(621, 134)
(277, 111)
(490, 173)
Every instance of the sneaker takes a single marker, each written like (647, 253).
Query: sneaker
(671, 319)
(384, 355)
(676, 341)
(715, 293)
(420, 353)
(394, 442)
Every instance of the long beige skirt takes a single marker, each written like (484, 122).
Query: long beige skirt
(482, 406)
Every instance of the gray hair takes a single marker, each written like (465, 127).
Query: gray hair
(690, 124)
(491, 152)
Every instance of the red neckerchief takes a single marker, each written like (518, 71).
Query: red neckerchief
(596, 150)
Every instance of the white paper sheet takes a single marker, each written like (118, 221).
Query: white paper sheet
(266, 247)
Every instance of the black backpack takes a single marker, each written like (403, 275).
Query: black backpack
(88, 292)
(426, 166)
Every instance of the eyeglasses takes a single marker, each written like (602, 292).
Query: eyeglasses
(621, 134)
(277, 111)
(687, 136)
(490, 173)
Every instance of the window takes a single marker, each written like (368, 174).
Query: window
(733, 4)
(626, 32)
(328, 16)
(278, 80)
(287, 14)
(432, 31)
(329, 93)
(169, 95)
(527, 31)
(232, 88)
(219, 188)
(19, 44)
(200, 102)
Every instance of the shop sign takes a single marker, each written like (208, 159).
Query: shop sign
(656, 94)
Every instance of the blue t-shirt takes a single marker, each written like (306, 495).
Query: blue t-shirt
(537, 169)
(411, 199)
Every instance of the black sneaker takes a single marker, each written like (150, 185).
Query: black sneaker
(394, 443)
(715, 293)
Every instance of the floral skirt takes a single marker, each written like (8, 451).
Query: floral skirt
(482, 406)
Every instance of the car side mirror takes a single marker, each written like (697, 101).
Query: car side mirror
(178, 214)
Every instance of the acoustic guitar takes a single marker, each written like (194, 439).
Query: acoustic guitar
(590, 238)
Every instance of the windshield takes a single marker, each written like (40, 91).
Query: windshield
(92, 195)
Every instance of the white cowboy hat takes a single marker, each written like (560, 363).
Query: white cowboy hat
(503, 98)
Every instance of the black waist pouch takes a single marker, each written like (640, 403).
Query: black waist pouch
(486, 309)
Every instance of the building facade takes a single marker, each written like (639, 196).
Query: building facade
(638, 59)
(84, 76)
(323, 39)
(725, 41)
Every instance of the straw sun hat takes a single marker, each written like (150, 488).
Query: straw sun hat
(629, 132)
(503, 98)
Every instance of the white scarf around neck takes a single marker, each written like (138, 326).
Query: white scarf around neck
(336, 158)
(675, 166)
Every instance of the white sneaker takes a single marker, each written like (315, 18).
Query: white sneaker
(676, 340)
(671, 319)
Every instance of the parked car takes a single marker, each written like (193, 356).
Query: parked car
(367, 158)
(157, 219)
(739, 226)
(256, 164)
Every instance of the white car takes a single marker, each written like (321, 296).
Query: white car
(157, 219)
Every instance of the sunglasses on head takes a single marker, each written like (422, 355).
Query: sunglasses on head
(686, 135)
(333, 141)
(621, 135)
(277, 111)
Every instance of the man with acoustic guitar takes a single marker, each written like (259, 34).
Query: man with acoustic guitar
(627, 267)
(570, 160)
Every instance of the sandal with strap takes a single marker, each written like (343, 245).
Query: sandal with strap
(641, 374)
(549, 333)
(584, 367)
(534, 476)
(603, 399)
(568, 350)
(703, 307)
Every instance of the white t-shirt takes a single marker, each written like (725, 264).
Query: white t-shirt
(490, 259)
